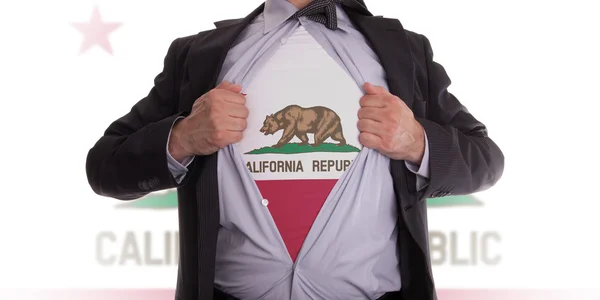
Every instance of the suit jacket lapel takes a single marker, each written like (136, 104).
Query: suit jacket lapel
(389, 41)
(208, 52)
(204, 60)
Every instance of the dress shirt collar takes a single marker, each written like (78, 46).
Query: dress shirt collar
(278, 11)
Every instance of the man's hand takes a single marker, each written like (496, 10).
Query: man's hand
(387, 125)
(218, 119)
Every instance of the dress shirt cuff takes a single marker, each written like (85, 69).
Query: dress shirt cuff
(178, 170)
(421, 171)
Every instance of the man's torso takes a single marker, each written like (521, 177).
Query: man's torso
(270, 197)
(200, 57)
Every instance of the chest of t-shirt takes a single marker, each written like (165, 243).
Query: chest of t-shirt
(303, 115)
(302, 133)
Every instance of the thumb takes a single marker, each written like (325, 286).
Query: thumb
(226, 85)
(374, 89)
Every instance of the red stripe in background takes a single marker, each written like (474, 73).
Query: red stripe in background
(156, 294)
(294, 206)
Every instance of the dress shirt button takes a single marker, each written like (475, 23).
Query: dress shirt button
(283, 41)
(265, 202)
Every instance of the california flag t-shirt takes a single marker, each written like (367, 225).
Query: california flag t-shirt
(302, 134)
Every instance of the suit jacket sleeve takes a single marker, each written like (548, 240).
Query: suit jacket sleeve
(130, 159)
(462, 157)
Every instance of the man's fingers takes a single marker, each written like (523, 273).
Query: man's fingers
(226, 85)
(236, 136)
(371, 113)
(235, 110)
(370, 126)
(371, 89)
(372, 101)
(235, 124)
(228, 92)
(226, 137)
(235, 98)
(370, 140)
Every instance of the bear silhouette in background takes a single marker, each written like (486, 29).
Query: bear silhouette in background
(297, 121)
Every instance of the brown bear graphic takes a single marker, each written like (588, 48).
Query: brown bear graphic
(298, 121)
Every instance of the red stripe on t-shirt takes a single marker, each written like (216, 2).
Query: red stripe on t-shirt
(294, 206)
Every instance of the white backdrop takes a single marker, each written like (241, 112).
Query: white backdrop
(527, 69)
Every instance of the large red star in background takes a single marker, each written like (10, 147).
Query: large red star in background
(96, 32)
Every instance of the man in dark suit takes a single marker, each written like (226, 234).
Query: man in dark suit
(193, 115)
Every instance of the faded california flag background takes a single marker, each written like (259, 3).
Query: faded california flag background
(527, 69)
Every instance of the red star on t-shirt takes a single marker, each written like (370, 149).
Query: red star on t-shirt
(96, 32)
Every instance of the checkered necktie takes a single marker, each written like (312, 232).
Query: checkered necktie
(323, 11)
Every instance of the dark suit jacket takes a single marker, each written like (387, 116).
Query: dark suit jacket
(130, 159)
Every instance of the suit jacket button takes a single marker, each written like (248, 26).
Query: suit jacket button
(153, 182)
(143, 185)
